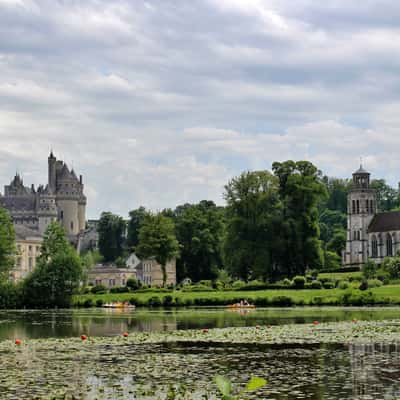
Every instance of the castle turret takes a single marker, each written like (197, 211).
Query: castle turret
(46, 208)
(361, 208)
(52, 172)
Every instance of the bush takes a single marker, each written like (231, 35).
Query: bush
(283, 301)
(369, 269)
(299, 282)
(88, 303)
(218, 285)
(374, 283)
(343, 285)
(287, 282)
(316, 285)
(133, 284)
(155, 301)
(168, 300)
(363, 285)
(328, 285)
(98, 289)
(238, 284)
(206, 282)
(119, 289)
(99, 303)
(391, 265)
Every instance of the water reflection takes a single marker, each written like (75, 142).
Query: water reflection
(110, 322)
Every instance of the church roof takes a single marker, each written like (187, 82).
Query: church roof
(23, 232)
(361, 170)
(26, 203)
(385, 222)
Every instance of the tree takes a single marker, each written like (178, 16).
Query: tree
(253, 225)
(200, 231)
(136, 218)
(7, 243)
(57, 274)
(388, 198)
(157, 239)
(301, 190)
(111, 231)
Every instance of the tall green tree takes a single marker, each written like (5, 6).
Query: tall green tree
(200, 230)
(57, 273)
(388, 197)
(7, 244)
(136, 218)
(301, 190)
(111, 229)
(253, 225)
(157, 239)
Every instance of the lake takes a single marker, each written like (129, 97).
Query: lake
(110, 369)
(111, 322)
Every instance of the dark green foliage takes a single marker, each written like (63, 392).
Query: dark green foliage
(363, 285)
(168, 301)
(369, 269)
(111, 229)
(388, 197)
(316, 285)
(99, 303)
(98, 289)
(7, 244)
(57, 274)
(155, 301)
(10, 295)
(157, 239)
(299, 282)
(136, 219)
(301, 190)
(253, 225)
(332, 261)
(133, 284)
(88, 303)
(119, 289)
(200, 231)
(391, 265)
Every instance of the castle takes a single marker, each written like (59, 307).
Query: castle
(370, 235)
(62, 200)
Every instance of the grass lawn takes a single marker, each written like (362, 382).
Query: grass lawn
(341, 275)
(383, 295)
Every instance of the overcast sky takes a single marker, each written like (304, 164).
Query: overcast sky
(161, 102)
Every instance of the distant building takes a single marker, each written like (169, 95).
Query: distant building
(61, 199)
(28, 244)
(370, 234)
(110, 276)
(149, 272)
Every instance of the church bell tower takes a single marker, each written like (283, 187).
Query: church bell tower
(361, 208)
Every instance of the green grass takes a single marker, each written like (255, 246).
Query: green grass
(383, 295)
(341, 275)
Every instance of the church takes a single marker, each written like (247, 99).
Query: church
(370, 235)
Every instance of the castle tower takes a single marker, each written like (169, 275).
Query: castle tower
(361, 208)
(68, 195)
(52, 172)
(46, 208)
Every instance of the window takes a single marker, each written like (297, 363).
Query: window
(358, 235)
(389, 245)
(374, 245)
(30, 248)
(72, 226)
(367, 206)
(358, 206)
(354, 206)
(61, 214)
(355, 235)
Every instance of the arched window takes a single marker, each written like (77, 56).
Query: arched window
(389, 245)
(374, 245)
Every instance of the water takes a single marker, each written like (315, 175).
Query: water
(104, 371)
(111, 322)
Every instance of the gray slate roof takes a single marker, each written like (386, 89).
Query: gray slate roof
(22, 232)
(385, 222)
(18, 203)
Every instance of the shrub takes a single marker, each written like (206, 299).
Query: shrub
(299, 282)
(238, 284)
(99, 303)
(391, 265)
(317, 300)
(343, 285)
(283, 301)
(374, 283)
(369, 269)
(328, 285)
(287, 282)
(88, 303)
(119, 289)
(218, 285)
(206, 282)
(363, 285)
(133, 284)
(168, 300)
(316, 285)
(154, 301)
(98, 289)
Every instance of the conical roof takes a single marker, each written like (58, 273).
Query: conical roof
(361, 170)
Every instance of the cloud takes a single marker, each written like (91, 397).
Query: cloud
(158, 103)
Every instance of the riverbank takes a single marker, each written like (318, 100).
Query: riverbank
(384, 295)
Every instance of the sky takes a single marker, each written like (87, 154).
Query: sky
(161, 102)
